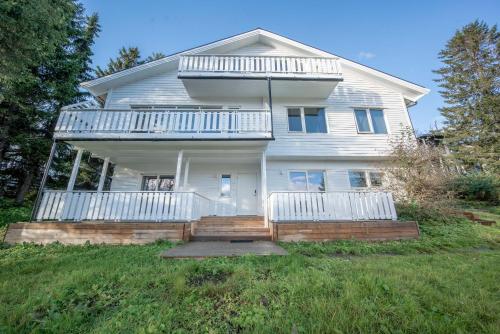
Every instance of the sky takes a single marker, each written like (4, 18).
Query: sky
(402, 38)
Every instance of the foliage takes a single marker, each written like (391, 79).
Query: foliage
(127, 58)
(33, 96)
(477, 187)
(419, 173)
(470, 85)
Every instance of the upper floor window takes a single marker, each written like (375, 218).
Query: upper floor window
(308, 180)
(158, 183)
(309, 120)
(365, 179)
(370, 121)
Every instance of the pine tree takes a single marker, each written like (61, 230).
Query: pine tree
(470, 85)
(127, 58)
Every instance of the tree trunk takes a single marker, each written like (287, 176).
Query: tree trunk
(25, 185)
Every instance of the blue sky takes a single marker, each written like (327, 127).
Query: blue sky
(402, 38)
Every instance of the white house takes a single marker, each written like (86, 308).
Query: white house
(255, 124)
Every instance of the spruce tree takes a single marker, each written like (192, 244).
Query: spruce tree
(127, 58)
(470, 86)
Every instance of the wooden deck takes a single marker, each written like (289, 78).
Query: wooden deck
(325, 231)
(96, 233)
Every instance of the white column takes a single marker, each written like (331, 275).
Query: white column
(263, 186)
(178, 171)
(186, 173)
(74, 172)
(102, 178)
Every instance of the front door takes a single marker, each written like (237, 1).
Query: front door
(246, 203)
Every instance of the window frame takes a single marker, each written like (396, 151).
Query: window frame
(368, 112)
(306, 171)
(303, 120)
(158, 176)
(366, 172)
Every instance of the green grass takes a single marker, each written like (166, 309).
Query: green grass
(446, 282)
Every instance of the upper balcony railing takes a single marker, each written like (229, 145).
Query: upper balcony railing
(258, 66)
(164, 123)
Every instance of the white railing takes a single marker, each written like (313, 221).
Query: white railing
(258, 64)
(122, 206)
(170, 122)
(329, 206)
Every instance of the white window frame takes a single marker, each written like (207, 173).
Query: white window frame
(157, 180)
(303, 120)
(230, 185)
(368, 112)
(366, 172)
(306, 171)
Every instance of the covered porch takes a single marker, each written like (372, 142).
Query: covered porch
(163, 181)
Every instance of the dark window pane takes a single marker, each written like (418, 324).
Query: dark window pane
(316, 180)
(225, 186)
(294, 121)
(357, 179)
(298, 181)
(149, 183)
(376, 179)
(166, 183)
(362, 120)
(378, 121)
(315, 120)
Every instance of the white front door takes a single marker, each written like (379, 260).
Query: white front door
(246, 202)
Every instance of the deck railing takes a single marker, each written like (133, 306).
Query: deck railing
(258, 64)
(326, 206)
(187, 122)
(122, 206)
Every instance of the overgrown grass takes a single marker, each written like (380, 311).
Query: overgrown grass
(446, 282)
(12, 213)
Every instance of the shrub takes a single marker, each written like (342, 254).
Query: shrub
(476, 187)
(10, 212)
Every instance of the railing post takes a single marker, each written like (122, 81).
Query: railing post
(263, 186)
(104, 171)
(44, 180)
(269, 91)
(178, 171)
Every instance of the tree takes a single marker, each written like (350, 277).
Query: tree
(470, 85)
(127, 58)
(32, 98)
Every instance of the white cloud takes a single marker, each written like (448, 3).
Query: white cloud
(366, 55)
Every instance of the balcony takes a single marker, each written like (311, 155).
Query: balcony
(177, 124)
(308, 77)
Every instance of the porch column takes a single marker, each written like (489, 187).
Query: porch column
(102, 178)
(178, 171)
(186, 173)
(263, 186)
(44, 180)
(74, 172)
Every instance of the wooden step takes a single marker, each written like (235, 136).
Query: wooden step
(232, 229)
(230, 237)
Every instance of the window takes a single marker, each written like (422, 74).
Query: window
(357, 179)
(158, 183)
(309, 120)
(370, 121)
(310, 180)
(365, 179)
(225, 185)
(294, 120)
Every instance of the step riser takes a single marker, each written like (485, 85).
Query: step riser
(230, 238)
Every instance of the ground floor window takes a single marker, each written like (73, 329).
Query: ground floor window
(307, 180)
(365, 179)
(158, 183)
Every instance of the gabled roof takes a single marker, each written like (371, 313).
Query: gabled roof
(100, 86)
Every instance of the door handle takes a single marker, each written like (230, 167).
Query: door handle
(255, 192)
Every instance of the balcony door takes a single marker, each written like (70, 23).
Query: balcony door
(246, 202)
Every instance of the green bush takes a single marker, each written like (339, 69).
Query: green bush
(10, 212)
(476, 187)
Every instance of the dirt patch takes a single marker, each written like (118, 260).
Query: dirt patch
(201, 277)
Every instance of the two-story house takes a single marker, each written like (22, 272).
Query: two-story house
(254, 125)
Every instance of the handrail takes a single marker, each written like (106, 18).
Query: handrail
(256, 56)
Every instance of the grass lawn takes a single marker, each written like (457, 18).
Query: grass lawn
(446, 282)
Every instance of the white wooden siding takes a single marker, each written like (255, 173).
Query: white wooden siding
(342, 141)
(261, 49)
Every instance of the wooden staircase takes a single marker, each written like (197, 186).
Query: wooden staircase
(236, 228)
